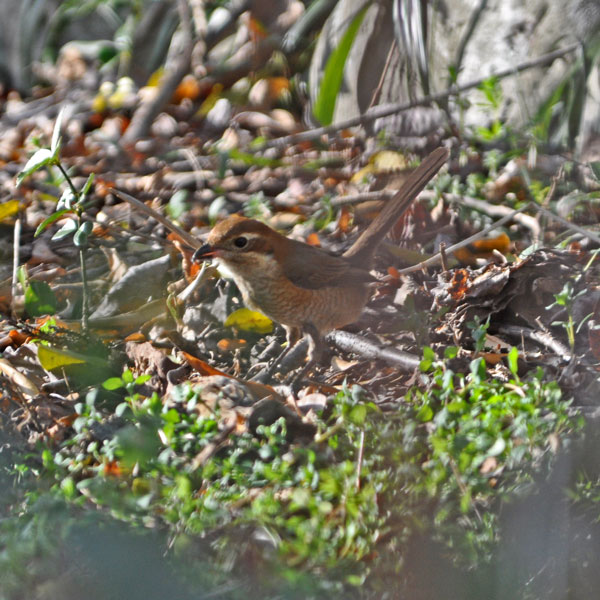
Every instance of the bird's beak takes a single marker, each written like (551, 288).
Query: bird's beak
(204, 252)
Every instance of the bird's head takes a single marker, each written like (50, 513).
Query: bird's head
(242, 245)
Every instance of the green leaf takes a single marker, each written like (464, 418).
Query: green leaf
(178, 204)
(334, 72)
(40, 159)
(137, 444)
(68, 228)
(22, 276)
(477, 367)
(39, 299)
(113, 383)
(216, 206)
(66, 200)
(56, 358)
(51, 219)
(450, 352)
(253, 159)
(88, 184)
(122, 408)
(595, 167)
(428, 354)
(55, 144)
(492, 91)
(497, 447)
(453, 74)
(80, 239)
(356, 580)
(67, 486)
(456, 406)
(358, 414)
(465, 500)
(513, 357)
(425, 413)
(425, 365)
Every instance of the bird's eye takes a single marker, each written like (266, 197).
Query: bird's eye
(240, 242)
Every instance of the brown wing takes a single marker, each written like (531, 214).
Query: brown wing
(316, 269)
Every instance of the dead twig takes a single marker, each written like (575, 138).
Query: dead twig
(350, 342)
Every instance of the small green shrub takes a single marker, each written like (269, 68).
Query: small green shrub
(344, 505)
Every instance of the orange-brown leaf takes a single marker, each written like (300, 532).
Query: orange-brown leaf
(201, 366)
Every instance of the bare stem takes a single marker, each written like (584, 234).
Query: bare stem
(85, 294)
(16, 254)
(68, 179)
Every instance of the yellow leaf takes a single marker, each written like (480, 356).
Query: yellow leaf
(9, 208)
(381, 162)
(156, 78)
(388, 160)
(249, 320)
(210, 100)
(361, 175)
(99, 104)
(53, 358)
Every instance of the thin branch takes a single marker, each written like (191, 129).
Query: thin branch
(188, 238)
(567, 224)
(386, 68)
(436, 258)
(148, 111)
(469, 30)
(493, 210)
(385, 111)
(541, 337)
(362, 197)
(512, 216)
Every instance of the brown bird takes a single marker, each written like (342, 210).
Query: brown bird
(302, 287)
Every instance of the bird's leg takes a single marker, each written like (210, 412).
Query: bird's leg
(316, 346)
(313, 354)
(292, 336)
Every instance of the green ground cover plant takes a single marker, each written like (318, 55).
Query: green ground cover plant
(343, 504)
